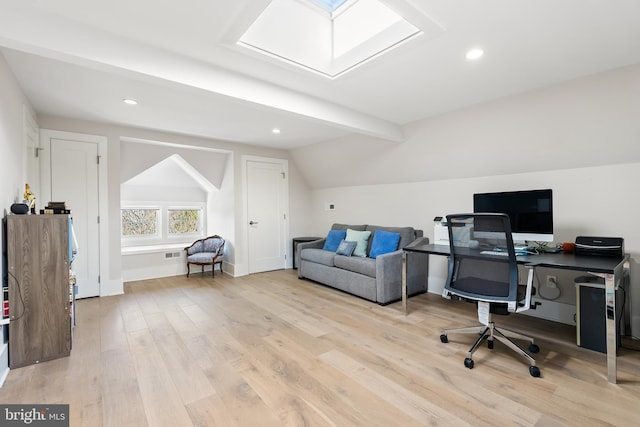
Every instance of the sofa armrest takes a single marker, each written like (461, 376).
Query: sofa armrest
(417, 268)
(315, 244)
(389, 273)
(419, 241)
(388, 277)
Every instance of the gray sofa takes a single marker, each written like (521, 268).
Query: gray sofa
(379, 279)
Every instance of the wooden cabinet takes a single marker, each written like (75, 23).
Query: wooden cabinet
(38, 266)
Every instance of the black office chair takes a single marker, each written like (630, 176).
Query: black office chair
(483, 269)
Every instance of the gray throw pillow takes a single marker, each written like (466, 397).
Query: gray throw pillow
(346, 248)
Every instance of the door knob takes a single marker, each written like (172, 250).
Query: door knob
(253, 222)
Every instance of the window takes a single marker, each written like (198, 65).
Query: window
(142, 222)
(184, 221)
(161, 223)
(329, 5)
(337, 35)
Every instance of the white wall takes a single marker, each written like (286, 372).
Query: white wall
(586, 122)
(12, 147)
(594, 201)
(229, 204)
(13, 171)
(580, 138)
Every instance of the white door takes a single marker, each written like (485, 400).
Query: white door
(267, 215)
(74, 180)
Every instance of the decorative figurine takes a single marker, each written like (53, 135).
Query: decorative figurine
(30, 198)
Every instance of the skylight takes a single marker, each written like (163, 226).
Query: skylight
(330, 5)
(299, 33)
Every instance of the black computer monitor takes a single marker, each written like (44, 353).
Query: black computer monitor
(530, 212)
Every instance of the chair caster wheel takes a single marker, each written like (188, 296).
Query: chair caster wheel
(490, 345)
(444, 339)
(533, 348)
(468, 362)
(534, 371)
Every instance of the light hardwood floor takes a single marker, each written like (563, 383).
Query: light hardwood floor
(271, 350)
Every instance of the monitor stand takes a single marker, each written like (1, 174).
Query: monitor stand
(520, 247)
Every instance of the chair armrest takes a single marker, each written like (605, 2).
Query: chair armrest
(527, 300)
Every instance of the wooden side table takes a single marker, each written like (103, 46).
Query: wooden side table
(297, 240)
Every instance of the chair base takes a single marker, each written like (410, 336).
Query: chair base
(489, 333)
(213, 267)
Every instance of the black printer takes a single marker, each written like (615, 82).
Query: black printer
(600, 246)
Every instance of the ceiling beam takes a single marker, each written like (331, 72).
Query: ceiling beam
(73, 42)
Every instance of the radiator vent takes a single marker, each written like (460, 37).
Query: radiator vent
(168, 255)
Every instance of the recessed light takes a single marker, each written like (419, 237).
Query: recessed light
(474, 54)
(275, 130)
(130, 101)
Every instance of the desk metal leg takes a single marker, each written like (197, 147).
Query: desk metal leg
(611, 282)
(610, 306)
(404, 282)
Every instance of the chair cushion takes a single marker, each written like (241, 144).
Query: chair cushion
(478, 285)
(201, 257)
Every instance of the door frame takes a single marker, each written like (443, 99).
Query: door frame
(245, 159)
(46, 135)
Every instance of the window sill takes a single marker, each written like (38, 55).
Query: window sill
(150, 249)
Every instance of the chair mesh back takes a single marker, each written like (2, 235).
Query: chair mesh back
(474, 272)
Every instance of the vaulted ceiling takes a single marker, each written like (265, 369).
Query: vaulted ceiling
(181, 62)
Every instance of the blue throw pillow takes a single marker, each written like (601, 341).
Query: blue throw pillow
(384, 242)
(346, 248)
(333, 240)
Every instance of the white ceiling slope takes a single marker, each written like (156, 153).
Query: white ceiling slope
(180, 60)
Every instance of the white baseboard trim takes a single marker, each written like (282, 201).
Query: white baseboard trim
(111, 287)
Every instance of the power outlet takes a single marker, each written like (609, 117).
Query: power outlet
(552, 282)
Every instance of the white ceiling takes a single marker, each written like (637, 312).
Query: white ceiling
(80, 58)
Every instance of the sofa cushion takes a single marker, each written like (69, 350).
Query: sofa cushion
(383, 243)
(338, 226)
(346, 248)
(319, 256)
(361, 238)
(407, 234)
(366, 266)
(333, 240)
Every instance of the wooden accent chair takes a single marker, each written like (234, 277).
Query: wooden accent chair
(207, 251)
